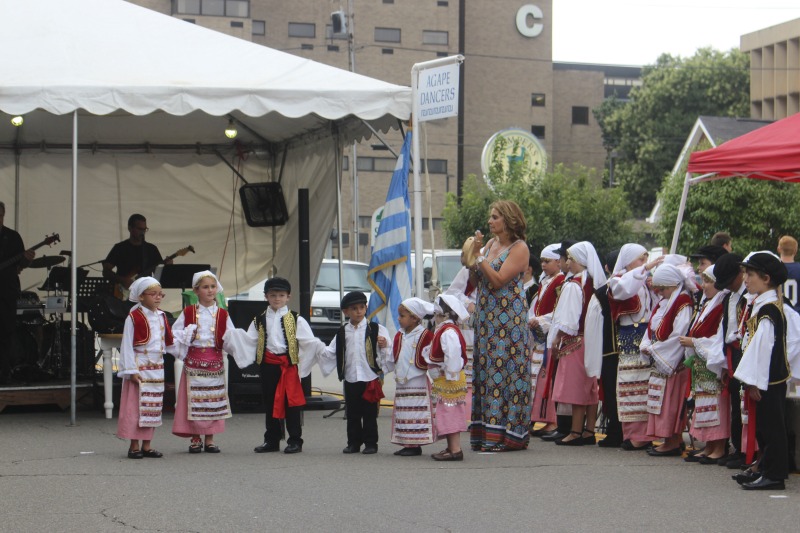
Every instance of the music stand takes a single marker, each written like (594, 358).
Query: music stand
(60, 279)
(179, 276)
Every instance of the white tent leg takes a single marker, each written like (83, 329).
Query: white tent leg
(673, 248)
(73, 271)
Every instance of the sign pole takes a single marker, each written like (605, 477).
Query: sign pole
(416, 191)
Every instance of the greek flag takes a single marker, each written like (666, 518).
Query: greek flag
(390, 265)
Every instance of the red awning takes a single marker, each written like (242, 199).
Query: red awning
(771, 152)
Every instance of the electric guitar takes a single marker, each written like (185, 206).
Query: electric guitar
(122, 293)
(48, 241)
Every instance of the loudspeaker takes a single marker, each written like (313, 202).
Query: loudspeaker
(263, 204)
(244, 384)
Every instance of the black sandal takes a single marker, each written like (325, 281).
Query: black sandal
(153, 454)
(135, 454)
(196, 446)
(212, 448)
(590, 440)
(578, 441)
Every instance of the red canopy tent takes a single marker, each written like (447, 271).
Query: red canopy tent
(768, 153)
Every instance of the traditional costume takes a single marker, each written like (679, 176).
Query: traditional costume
(661, 347)
(145, 338)
(465, 291)
(711, 418)
(572, 384)
(770, 358)
(446, 357)
(202, 403)
(284, 347)
(630, 303)
(412, 416)
(544, 303)
(358, 361)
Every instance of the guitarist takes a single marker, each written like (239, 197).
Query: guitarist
(133, 257)
(10, 246)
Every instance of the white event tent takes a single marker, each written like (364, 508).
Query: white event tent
(124, 112)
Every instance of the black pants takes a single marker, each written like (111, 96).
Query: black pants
(270, 375)
(362, 416)
(734, 386)
(771, 432)
(608, 377)
(8, 323)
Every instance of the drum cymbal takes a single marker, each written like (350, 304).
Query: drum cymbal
(47, 261)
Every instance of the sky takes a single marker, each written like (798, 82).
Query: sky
(636, 32)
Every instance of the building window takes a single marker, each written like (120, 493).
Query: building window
(333, 48)
(237, 24)
(306, 46)
(388, 1)
(437, 166)
(538, 131)
(580, 115)
(442, 54)
(442, 3)
(302, 29)
(387, 35)
(212, 8)
(345, 163)
(259, 27)
(434, 37)
(538, 100)
(387, 51)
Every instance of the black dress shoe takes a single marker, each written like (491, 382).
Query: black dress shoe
(707, 460)
(747, 476)
(293, 448)
(152, 454)
(552, 436)
(674, 452)
(267, 447)
(351, 448)
(408, 452)
(369, 449)
(694, 458)
(628, 446)
(735, 464)
(538, 432)
(609, 442)
(764, 483)
(135, 454)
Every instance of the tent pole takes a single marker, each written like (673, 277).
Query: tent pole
(419, 280)
(73, 270)
(673, 248)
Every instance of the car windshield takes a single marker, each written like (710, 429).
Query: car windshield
(355, 277)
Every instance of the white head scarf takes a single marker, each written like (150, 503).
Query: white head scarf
(585, 254)
(205, 274)
(627, 255)
(709, 273)
(551, 251)
(141, 285)
(668, 275)
(418, 307)
(681, 262)
(454, 304)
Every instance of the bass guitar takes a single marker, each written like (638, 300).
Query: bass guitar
(48, 241)
(122, 293)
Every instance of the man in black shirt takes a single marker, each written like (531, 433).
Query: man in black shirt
(133, 257)
(12, 250)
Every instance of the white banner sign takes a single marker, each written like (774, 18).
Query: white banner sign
(438, 92)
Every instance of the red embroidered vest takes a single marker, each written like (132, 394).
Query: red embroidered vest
(141, 328)
(425, 339)
(664, 329)
(437, 353)
(630, 306)
(709, 325)
(546, 299)
(190, 317)
(588, 291)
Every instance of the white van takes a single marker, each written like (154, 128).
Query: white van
(448, 263)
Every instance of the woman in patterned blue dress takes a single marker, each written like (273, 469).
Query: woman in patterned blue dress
(501, 386)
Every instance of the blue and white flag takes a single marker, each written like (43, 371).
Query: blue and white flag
(390, 265)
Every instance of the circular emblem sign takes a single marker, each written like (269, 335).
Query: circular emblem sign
(514, 146)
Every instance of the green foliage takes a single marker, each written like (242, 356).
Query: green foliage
(755, 212)
(649, 132)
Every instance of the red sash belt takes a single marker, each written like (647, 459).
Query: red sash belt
(289, 386)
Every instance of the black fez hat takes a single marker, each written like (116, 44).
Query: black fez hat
(726, 269)
(611, 258)
(710, 252)
(768, 264)
(277, 284)
(565, 245)
(352, 298)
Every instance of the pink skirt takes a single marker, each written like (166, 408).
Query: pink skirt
(449, 419)
(635, 431)
(721, 430)
(549, 414)
(572, 385)
(182, 426)
(128, 420)
(672, 419)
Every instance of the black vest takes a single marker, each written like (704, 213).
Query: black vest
(370, 336)
(736, 353)
(610, 341)
(530, 292)
(778, 364)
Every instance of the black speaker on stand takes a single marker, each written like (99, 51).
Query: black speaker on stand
(264, 204)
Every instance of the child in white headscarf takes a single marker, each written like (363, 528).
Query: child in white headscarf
(145, 338)
(202, 403)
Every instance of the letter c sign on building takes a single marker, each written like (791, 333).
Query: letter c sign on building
(529, 30)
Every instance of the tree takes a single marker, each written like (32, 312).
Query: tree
(755, 212)
(564, 203)
(649, 132)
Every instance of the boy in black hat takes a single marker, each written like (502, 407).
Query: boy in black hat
(705, 256)
(764, 369)
(358, 352)
(284, 347)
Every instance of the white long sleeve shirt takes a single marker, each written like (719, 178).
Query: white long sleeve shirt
(633, 283)
(152, 351)
(356, 367)
(203, 332)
